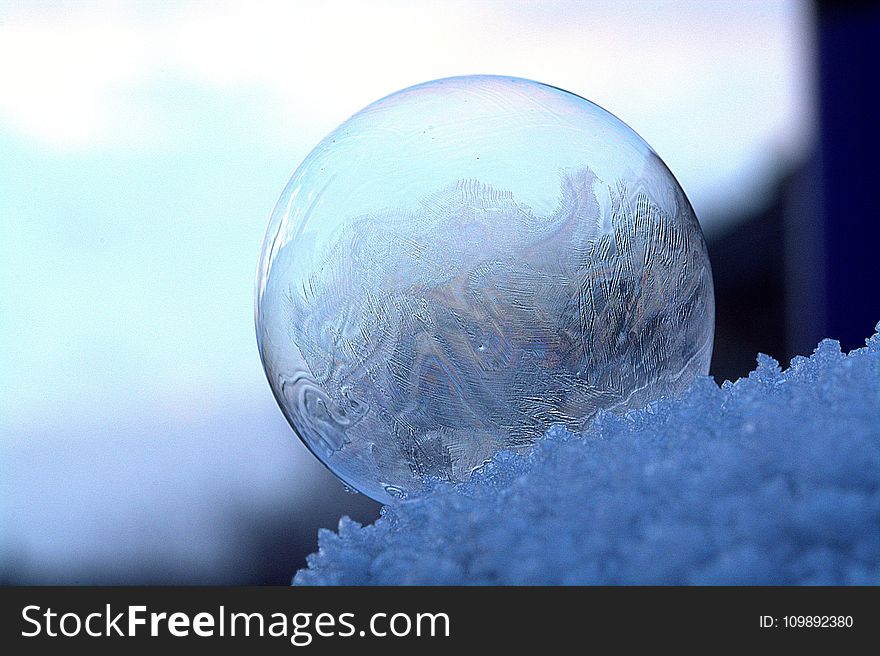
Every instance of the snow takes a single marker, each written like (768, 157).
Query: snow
(773, 479)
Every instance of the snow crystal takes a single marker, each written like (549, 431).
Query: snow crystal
(774, 479)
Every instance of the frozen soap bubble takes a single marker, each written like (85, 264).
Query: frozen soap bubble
(466, 262)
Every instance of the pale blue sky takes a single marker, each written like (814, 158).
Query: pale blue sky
(142, 147)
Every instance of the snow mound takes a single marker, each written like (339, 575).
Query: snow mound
(773, 479)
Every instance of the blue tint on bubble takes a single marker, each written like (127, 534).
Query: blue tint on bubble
(467, 262)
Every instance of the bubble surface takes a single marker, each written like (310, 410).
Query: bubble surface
(466, 262)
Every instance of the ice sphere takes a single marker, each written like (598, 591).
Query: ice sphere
(466, 262)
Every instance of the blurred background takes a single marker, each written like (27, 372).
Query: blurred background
(143, 145)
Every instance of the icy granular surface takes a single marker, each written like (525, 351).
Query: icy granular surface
(774, 479)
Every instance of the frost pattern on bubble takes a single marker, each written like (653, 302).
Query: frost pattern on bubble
(471, 325)
(421, 307)
(771, 480)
